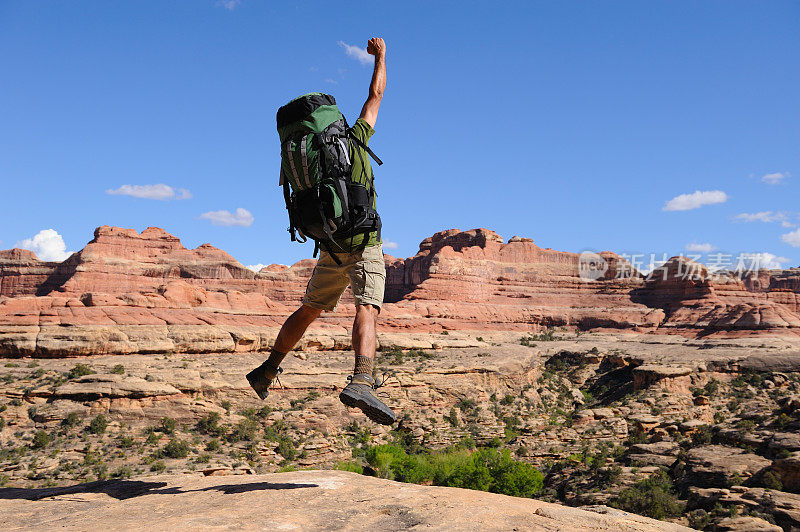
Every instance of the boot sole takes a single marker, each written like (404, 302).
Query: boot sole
(256, 383)
(373, 412)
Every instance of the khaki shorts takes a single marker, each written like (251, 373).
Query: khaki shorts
(364, 271)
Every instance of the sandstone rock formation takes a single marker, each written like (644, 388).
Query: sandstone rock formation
(300, 500)
(129, 292)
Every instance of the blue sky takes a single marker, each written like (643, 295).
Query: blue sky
(575, 124)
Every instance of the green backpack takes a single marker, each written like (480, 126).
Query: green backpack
(324, 203)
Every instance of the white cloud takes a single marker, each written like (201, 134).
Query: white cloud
(766, 217)
(331, 81)
(257, 267)
(230, 5)
(47, 244)
(775, 178)
(388, 244)
(241, 217)
(792, 238)
(695, 200)
(758, 261)
(356, 53)
(159, 191)
(763, 216)
(700, 248)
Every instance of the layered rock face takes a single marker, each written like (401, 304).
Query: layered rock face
(129, 292)
(696, 299)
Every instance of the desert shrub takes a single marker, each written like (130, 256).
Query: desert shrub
(40, 440)
(653, 497)
(485, 469)
(152, 437)
(126, 442)
(699, 519)
(353, 467)
(226, 405)
(158, 466)
(711, 387)
(210, 425)
(175, 448)
(772, 480)
(245, 430)
(2, 423)
(79, 370)
(746, 425)
(782, 421)
(452, 418)
(286, 448)
(71, 420)
(212, 445)
(702, 435)
(123, 472)
(466, 405)
(508, 399)
(167, 425)
(119, 369)
(637, 436)
(37, 374)
(98, 425)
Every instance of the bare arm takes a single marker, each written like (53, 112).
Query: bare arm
(369, 112)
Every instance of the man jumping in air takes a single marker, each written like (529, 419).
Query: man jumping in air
(348, 238)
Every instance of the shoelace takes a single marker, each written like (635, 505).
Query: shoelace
(277, 377)
(375, 385)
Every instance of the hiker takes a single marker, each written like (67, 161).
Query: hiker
(329, 191)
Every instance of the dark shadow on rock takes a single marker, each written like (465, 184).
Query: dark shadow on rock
(127, 489)
(229, 489)
(119, 489)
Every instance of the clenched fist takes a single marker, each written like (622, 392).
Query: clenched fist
(376, 47)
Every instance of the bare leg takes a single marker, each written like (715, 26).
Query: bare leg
(364, 331)
(359, 393)
(294, 328)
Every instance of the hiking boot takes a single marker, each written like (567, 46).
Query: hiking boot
(261, 378)
(359, 394)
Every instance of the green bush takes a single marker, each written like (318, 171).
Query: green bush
(702, 436)
(119, 369)
(2, 423)
(486, 469)
(212, 445)
(98, 424)
(71, 420)
(286, 448)
(123, 472)
(40, 439)
(653, 497)
(350, 466)
(245, 430)
(772, 480)
(79, 370)
(158, 466)
(210, 425)
(176, 449)
(167, 425)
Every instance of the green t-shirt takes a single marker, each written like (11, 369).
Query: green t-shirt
(361, 174)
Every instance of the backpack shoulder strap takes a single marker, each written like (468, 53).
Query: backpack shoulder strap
(364, 146)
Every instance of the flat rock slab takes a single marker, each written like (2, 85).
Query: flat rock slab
(300, 500)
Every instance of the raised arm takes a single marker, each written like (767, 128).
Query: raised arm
(369, 112)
